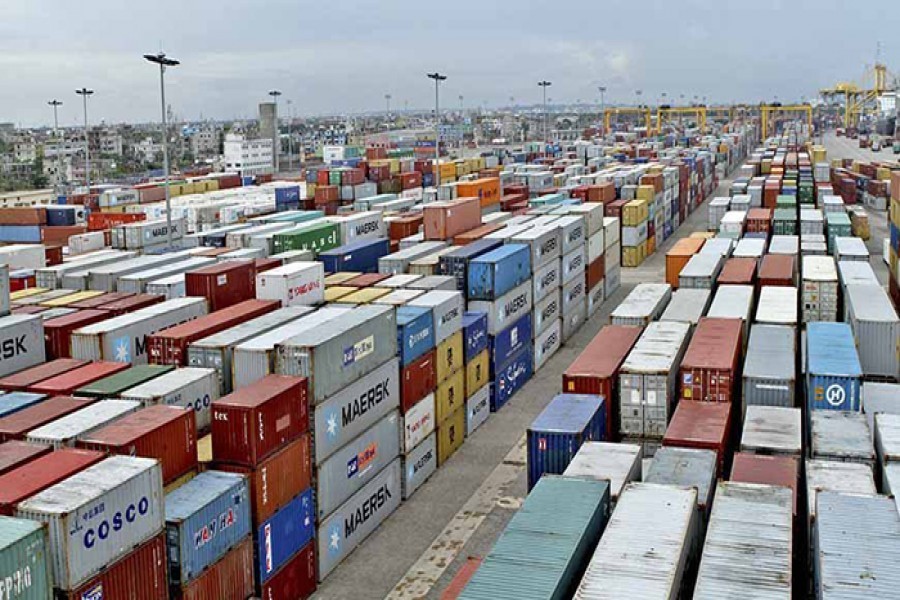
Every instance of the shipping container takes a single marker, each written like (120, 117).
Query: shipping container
(507, 309)
(14, 454)
(447, 308)
(475, 337)
(703, 426)
(545, 244)
(295, 580)
(451, 434)
(67, 383)
(688, 306)
(701, 271)
(833, 370)
(417, 380)
(188, 387)
(770, 372)
(493, 274)
(709, 370)
(772, 430)
(876, 330)
(738, 271)
(782, 471)
(76, 425)
(478, 409)
(547, 279)
(81, 512)
(418, 465)
(546, 312)
(13, 402)
(509, 379)
(360, 257)
(777, 306)
(140, 575)
(618, 464)
(645, 303)
(106, 277)
(24, 568)
(136, 282)
(132, 303)
(23, 338)
(115, 385)
(819, 301)
(548, 342)
(399, 297)
(23, 379)
(687, 467)
(17, 424)
(417, 423)
(443, 220)
(284, 535)
(398, 262)
(835, 476)
(841, 436)
(456, 262)
(41, 472)
(222, 284)
(415, 332)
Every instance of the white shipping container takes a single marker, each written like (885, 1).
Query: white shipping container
(86, 242)
(820, 289)
(687, 305)
(572, 232)
(850, 249)
(611, 230)
(701, 271)
(299, 283)
(573, 320)
(21, 342)
(733, 302)
(595, 298)
(23, 256)
(447, 310)
(784, 244)
(876, 329)
(777, 305)
(105, 277)
(572, 265)
(545, 243)
(546, 279)
(644, 303)
(619, 464)
(51, 277)
(418, 423)
(418, 465)
(188, 387)
(478, 409)
(367, 225)
(399, 281)
(150, 233)
(772, 430)
(547, 343)
(502, 312)
(836, 476)
(399, 297)
(592, 213)
(66, 430)
(136, 283)
(595, 247)
(170, 287)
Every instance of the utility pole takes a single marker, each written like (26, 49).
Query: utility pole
(55, 104)
(165, 61)
(290, 134)
(275, 145)
(84, 93)
(602, 90)
(438, 78)
(387, 99)
(544, 85)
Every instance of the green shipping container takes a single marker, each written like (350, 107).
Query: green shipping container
(806, 192)
(114, 385)
(24, 570)
(785, 201)
(838, 225)
(545, 548)
(785, 221)
(320, 237)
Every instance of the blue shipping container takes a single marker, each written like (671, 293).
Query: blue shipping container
(415, 332)
(508, 343)
(559, 431)
(833, 370)
(20, 233)
(287, 195)
(475, 336)
(59, 216)
(284, 534)
(496, 272)
(205, 518)
(456, 262)
(511, 377)
(248, 180)
(16, 401)
(359, 256)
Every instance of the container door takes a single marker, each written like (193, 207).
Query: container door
(631, 405)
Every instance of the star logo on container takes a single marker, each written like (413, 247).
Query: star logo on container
(121, 351)
(332, 424)
(334, 539)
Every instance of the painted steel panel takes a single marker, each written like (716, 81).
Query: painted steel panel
(283, 535)
(418, 465)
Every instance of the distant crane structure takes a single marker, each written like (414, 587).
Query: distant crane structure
(860, 100)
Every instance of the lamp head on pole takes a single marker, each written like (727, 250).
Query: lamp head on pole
(84, 92)
(275, 94)
(162, 60)
(54, 103)
(544, 84)
(436, 76)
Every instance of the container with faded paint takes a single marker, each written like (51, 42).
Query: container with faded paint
(769, 376)
(81, 513)
(842, 436)
(15, 426)
(22, 342)
(704, 426)
(13, 402)
(644, 303)
(546, 312)
(398, 262)
(772, 430)
(24, 567)
(41, 473)
(66, 430)
(114, 385)
(140, 575)
(205, 518)
(710, 367)
(734, 302)
(617, 464)
(547, 343)
(15, 453)
(545, 244)
(299, 283)
(833, 371)
(687, 467)
(701, 271)
(447, 308)
(188, 387)
(687, 305)
(777, 306)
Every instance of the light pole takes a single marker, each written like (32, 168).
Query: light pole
(460, 104)
(290, 134)
(164, 61)
(55, 104)
(438, 78)
(387, 99)
(544, 85)
(275, 145)
(84, 93)
(602, 90)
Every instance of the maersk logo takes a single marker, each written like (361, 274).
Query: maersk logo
(362, 404)
(549, 343)
(12, 347)
(548, 279)
(575, 235)
(548, 247)
(331, 424)
(366, 510)
(122, 349)
(516, 304)
(575, 263)
(370, 227)
(334, 540)
(549, 311)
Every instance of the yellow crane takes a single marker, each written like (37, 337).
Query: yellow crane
(768, 111)
(857, 100)
(627, 110)
(664, 115)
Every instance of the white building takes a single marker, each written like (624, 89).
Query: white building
(147, 149)
(248, 157)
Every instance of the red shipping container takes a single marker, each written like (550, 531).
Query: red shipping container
(352, 177)
(23, 215)
(738, 271)
(778, 270)
(166, 433)
(467, 237)
(366, 280)
(326, 194)
(417, 380)
(322, 177)
(29, 309)
(41, 473)
(782, 471)
(250, 424)
(595, 272)
(53, 255)
(294, 581)
(23, 280)
(14, 454)
(169, 346)
(411, 180)
(139, 575)
(759, 220)
(222, 284)
(443, 220)
(98, 301)
(614, 208)
(60, 235)
(58, 331)
(266, 264)
(16, 425)
(132, 303)
(701, 425)
(229, 578)
(710, 367)
(277, 480)
(67, 383)
(405, 226)
(21, 380)
(596, 370)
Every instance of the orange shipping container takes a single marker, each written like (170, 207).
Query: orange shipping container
(678, 256)
(443, 220)
(487, 190)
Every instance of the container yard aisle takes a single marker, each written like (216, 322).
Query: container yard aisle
(465, 506)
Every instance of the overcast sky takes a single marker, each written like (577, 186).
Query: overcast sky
(345, 55)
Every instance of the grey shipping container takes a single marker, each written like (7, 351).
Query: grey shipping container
(772, 430)
(835, 476)
(340, 351)
(4, 290)
(547, 279)
(619, 464)
(777, 305)
(718, 245)
(170, 287)
(434, 282)
(544, 242)
(398, 262)
(151, 233)
(879, 397)
(447, 311)
(64, 431)
(687, 306)
(507, 309)
(572, 232)
(644, 303)
(24, 565)
(841, 435)
(217, 351)
(887, 437)
(546, 312)
(574, 296)
(784, 244)
(701, 271)
(876, 330)
(355, 408)
(418, 465)
(98, 515)
(136, 283)
(189, 387)
(646, 547)
(52, 277)
(770, 371)
(21, 342)
(850, 249)
(398, 297)
(105, 277)
(124, 338)
(356, 519)
(478, 408)
(750, 532)
(573, 320)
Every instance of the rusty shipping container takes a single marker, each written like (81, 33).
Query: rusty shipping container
(15, 453)
(701, 425)
(295, 580)
(444, 220)
(229, 578)
(16, 425)
(41, 473)
(710, 369)
(253, 422)
(67, 383)
(140, 575)
(223, 284)
(22, 380)
(783, 471)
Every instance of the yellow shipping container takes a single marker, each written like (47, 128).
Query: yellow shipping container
(365, 295)
(449, 356)
(448, 171)
(631, 256)
(704, 235)
(477, 372)
(646, 192)
(76, 297)
(450, 435)
(450, 396)
(204, 449)
(395, 166)
(13, 296)
(339, 278)
(883, 173)
(765, 167)
(335, 293)
(634, 213)
(819, 154)
(115, 209)
(651, 244)
(895, 212)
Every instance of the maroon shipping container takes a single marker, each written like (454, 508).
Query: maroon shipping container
(139, 575)
(58, 331)
(101, 300)
(738, 271)
(710, 369)
(14, 454)
(132, 303)
(759, 220)
(404, 226)
(16, 425)
(417, 380)
(767, 470)
(23, 379)
(595, 272)
(28, 309)
(169, 346)
(778, 270)
(222, 284)
(277, 480)
(366, 280)
(166, 433)
(266, 264)
(67, 383)
(596, 370)
(702, 425)
(294, 581)
(229, 578)
(250, 424)
(443, 220)
(41, 473)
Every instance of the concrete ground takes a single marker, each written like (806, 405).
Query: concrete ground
(465, 505)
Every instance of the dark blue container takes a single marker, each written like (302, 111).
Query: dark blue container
(496, 272)
(475, 333)
(214, 240)
(427, 179)
(415, 332)
(361, 256)
(456, 262)
(509, 342)
(287, 195)
(16, 401)
(248, 180)
(559, 431)
(61, 216)
(284, 534)
(510, 379)
(833, 370)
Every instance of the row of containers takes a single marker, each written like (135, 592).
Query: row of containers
(709, 442)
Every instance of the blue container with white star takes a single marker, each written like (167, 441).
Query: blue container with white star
(284, 534)
(475, 333)
(415, 332)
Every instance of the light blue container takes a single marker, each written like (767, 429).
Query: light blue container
(833, 370)
(13, 402)
(415, 332)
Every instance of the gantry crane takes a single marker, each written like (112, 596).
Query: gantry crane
(859, 101)
(627, 110)
(767, 111)
(664, 114)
